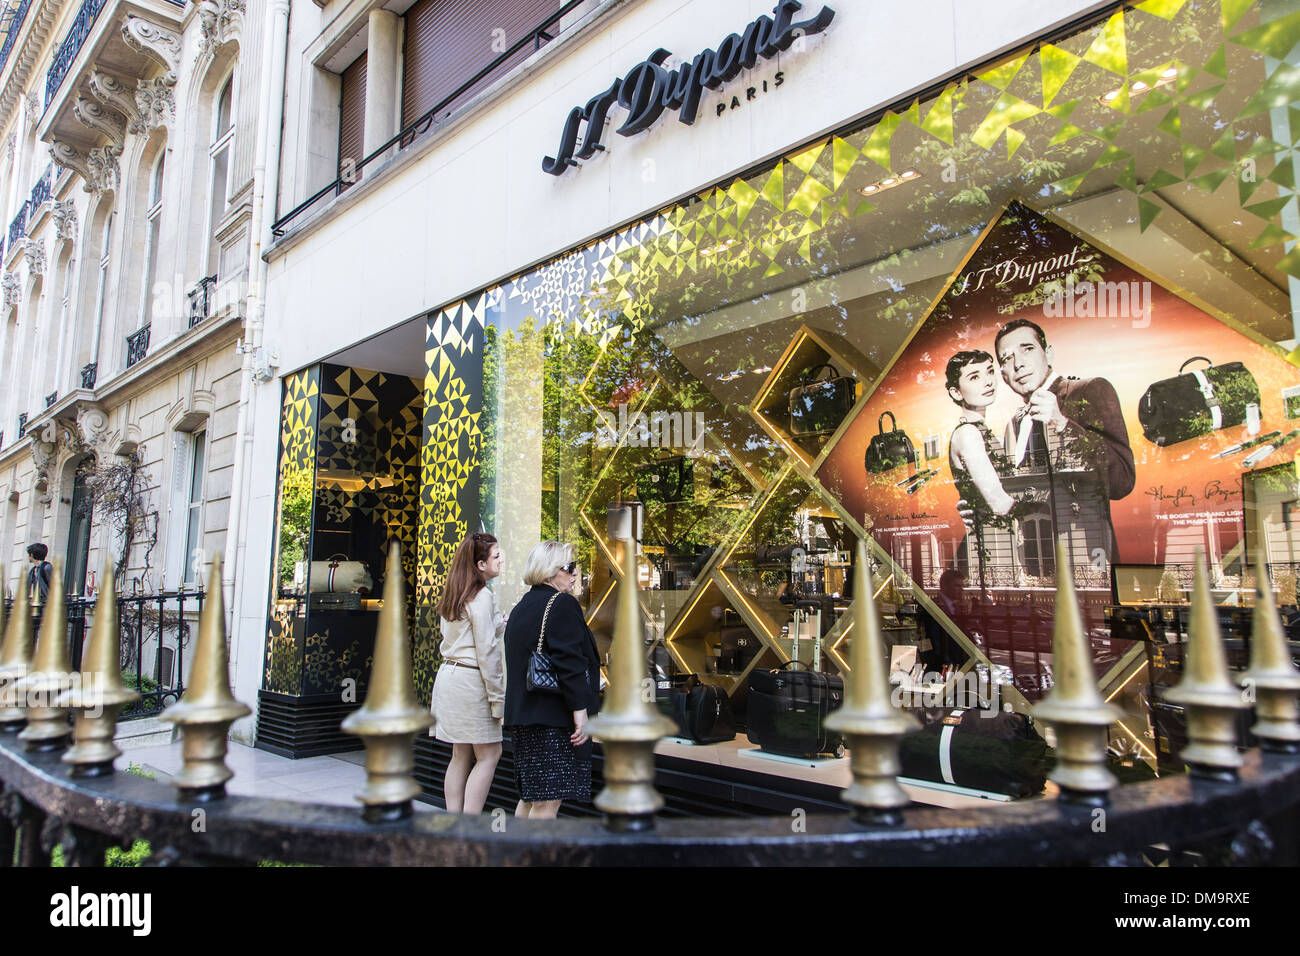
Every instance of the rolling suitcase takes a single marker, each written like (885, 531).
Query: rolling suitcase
(788, 708)
(997, 752)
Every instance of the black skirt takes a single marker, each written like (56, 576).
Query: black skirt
(548, 766)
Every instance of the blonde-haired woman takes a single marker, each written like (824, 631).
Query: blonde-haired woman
(552, 749)
(469, 692)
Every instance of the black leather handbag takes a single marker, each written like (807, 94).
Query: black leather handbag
(540, 676)
(666, 481)
(739, 645)
(818, 405)
(1198, 402)
(993, 751)
(787, 711)
(702, 712)
(889, 449)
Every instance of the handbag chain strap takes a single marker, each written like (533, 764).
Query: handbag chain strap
(545, 614)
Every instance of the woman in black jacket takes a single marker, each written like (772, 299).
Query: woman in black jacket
(552, 748)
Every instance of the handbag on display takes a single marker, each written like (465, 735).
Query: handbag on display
(666, 481)
(338, 575)
(993, 751)
(1195, 403)
(702, 712)
(739, 645)
(818, 405)
(787, 711)
(540, 677)
(889, 449)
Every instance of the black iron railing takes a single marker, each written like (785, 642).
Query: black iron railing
(41, 191)
(137, 346)
(70, 47)
(89, 373)
(22, 424)
(51, 398)
(536, 37)
(201, 299)
(15, 20)
(18, 225)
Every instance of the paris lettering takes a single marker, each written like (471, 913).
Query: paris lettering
(650, 88)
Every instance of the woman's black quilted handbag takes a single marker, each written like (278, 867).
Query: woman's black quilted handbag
(540, 677)
(1201, 401)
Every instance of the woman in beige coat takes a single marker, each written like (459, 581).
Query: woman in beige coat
(469, 692)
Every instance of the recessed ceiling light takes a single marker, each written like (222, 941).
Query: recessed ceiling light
(890, 182)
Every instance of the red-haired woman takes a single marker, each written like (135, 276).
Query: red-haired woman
(469, 693)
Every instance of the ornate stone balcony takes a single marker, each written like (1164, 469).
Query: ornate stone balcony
(114, 74)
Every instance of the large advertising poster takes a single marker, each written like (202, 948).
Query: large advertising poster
(1056, 393)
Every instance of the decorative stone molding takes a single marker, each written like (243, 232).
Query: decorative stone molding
(93, 426)
(219, 21)
(154, 41)
(106, 122)
(65, 219)
(32, 107)
(43, 455)
(156, 103)
(98, 167)
(11, 146)
(112, 92)
(34, 256)
(12, 289)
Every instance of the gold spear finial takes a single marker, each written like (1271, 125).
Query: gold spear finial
(390, 717)
(869, 719)
(101, 694)
(629, 725)
(47, 725)
(15, 661)
(1206, 690)
(1074, 707)
(1272, 680)
(208, 708)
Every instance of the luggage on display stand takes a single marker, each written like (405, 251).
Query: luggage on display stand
(787, 711)
(702, 712)
(992, 751)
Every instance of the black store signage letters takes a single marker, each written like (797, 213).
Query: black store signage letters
(649, 88)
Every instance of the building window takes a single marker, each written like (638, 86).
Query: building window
(223, 135)
(1036, 538)
(194, 510)
(153, 218)
(352, 121)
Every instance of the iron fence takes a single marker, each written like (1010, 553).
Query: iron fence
(18, 225)
(15, 24)
(201, 299)
(70, 47)
(137, 346)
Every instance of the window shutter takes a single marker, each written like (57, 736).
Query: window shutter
(447, 43)
(352, 115)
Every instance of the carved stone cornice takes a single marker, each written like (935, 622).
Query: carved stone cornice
(112, 92)
(156, 102)
(93, 425)
(32, 107)
(98, 168)
(219, 21)
(12, 289)
(100, 120)
(154, 41)
(104, 171)
(65, 219)
(34, 256)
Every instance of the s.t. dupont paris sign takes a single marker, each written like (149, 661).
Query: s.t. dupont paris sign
(650, 88)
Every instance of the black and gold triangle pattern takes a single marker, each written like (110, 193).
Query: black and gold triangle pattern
(282, 668)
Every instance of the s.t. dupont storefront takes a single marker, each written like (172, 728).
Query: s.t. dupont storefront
(972, 281)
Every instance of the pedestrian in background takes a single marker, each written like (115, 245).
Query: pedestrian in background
(469, 691)
(38, 576)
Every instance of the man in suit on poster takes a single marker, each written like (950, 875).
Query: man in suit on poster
(1073, 418)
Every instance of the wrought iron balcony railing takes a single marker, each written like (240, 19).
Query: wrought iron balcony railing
(201, 299)
(137, 346)
(15, 17)
(70, 47)
(22, 424)
(41, 191)
(89, 372)
(18, 226)
(51, 398)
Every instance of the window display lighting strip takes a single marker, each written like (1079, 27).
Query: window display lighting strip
(758, 615)
(681, 618)
(1136, 740)
(613, 586)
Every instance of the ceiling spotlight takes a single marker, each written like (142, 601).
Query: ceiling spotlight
(1110, 96)
(911, 174)
(1138, 87)
(873, 188)
(1170, 73)
(889, 183)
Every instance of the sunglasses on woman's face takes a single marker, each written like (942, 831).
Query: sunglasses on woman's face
(570, 567)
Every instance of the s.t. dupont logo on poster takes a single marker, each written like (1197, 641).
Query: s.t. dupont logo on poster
(650, 88)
